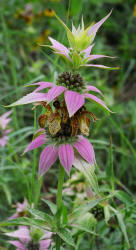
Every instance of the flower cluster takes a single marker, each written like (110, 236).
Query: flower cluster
(30, 238)
(4, 130)
(66, 119)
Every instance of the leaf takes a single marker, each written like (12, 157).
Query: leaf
(107, 213)
(51, 205)
(43, 216)
(25, 222)
(109, 167)
(7, 193)
(84, 228)
(124, 197)
(81, 210)
(121, 223)
(65, 235)
(85, 223)
(64, 215)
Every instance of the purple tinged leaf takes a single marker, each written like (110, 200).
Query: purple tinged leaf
(87, 51)
(74, 101)
(93, 57)
(98, 66)
(36, 143)
(54, 92)
(59, 46)
(66, 156)
(93, 88)
(97, 100)
(85, 149)
(42, 85)
(93, 29)
(47, 158)
(30, 98)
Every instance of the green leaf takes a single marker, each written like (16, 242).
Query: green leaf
(7, 193)
(121, 223)
(124, 197)
(25, 222)
(43, 216)
(51, 205)
(85, 223)
(81, 210)
(109, 167)
(64, 215)
(65, 235)
(107, 213)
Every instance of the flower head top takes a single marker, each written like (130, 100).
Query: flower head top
(4, 130)
(30, 238)
(81, 38)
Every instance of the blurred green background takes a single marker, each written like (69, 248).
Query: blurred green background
(25, 25)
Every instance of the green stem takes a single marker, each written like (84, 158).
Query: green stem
(33, 181)
(37, 191)
(59, 203)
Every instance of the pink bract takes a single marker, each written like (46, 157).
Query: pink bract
(65, 152)
(74, 101)
(23, 234)
(4, 121)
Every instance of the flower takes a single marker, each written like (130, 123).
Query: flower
(77, 59)
(21, 209)
(74, 90)
(81, 38)
(28, 239)
(66, 151)
(48, 12)
(4, 120)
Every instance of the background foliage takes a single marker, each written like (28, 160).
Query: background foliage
(24, 26)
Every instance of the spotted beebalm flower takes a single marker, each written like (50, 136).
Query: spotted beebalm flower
(74, 90)
(21, 209)
(81, 38)
(26, 239)
(66, 152)
(4, 121)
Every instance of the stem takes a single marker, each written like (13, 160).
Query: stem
(37, 191)
(33, 181)
(59, 203)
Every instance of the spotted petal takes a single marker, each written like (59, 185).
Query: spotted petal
(54, 92)
(97, 100)
(85, 149)
(74, 101)
(30, 98)
(36, 143)
(48, 157)
(93, 29)
(66, 156)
